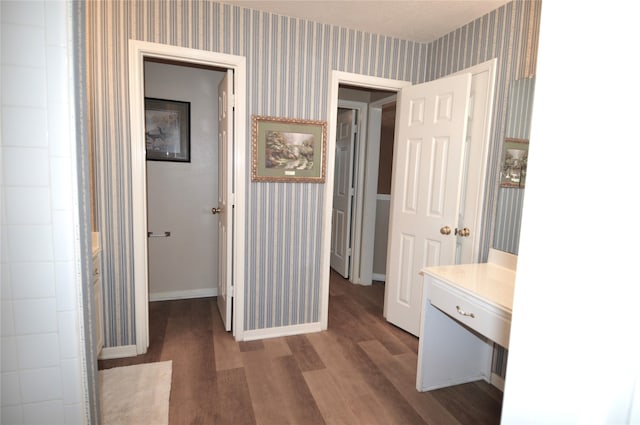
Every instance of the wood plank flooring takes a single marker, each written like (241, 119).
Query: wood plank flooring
(360, 371)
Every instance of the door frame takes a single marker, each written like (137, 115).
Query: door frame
(358, 80)
(138, 51)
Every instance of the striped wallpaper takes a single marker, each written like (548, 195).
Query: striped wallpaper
(288, 66)
(509, 205)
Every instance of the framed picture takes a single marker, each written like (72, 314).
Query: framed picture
(167, 130)
(287, 150)
(514, 164)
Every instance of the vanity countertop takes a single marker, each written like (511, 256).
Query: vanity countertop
(487, 281)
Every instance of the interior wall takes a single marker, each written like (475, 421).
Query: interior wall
(510, 199)
(288, 65)
(180, 195)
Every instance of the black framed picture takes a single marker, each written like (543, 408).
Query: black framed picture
(167, 130)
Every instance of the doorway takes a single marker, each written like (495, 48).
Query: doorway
(183, 234)
(139, 51)
(482, 77)
(365, 124)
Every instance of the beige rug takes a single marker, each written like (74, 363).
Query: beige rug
(136, 394)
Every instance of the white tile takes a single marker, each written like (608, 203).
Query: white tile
(59, 133)
(56, 22)
(70, 381)
(33, 280)
(69, 334)
(23, 45)
(27, 205)
(48, 412)
(57, 75)
(6, 314)
(24, 127)
(6, 293)
(22, 86)
(61, 183)
(10, 388)
(12, 415)
(41, 384)
(23, 12)
(31, 243)
(25, 166)
(38, 351)
(9, 354)
(4, 237)
(35, 316)
(73, 414)
(63, 236)
(66, 290)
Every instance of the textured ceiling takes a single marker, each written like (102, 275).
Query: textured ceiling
(419, 20)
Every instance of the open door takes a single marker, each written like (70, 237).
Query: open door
(225, 198)
(343, 192)
(428, 163)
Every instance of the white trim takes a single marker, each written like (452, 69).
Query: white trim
(283, 331)
(118, 352)
(337, 78)
(379, 277)
(183, 295)
(383, 197)
(138, 51)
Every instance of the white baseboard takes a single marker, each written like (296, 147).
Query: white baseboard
(118, 352)
(183, 295)
(282, 331)
(497, 382)
(379, 277)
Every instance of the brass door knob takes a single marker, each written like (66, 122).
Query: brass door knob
(216, 210)
(445, 230)
(463, 232)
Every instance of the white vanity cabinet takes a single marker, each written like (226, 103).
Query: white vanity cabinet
(465, 309)
(97, 299)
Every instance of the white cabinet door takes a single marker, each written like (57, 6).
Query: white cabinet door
(427, 179)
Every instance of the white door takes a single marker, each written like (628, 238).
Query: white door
(225, 198)
(426, 183)
(343, 192)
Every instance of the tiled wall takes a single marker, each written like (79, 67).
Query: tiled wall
(41, 319)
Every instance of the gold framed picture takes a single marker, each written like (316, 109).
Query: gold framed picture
(287, 150)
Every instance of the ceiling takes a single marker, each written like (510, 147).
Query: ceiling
(418, 20)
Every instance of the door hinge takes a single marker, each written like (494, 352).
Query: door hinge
(232, 100)
(352, 191)
(231, 291)
(232, 198)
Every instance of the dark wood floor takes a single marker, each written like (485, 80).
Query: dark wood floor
(361, 371)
